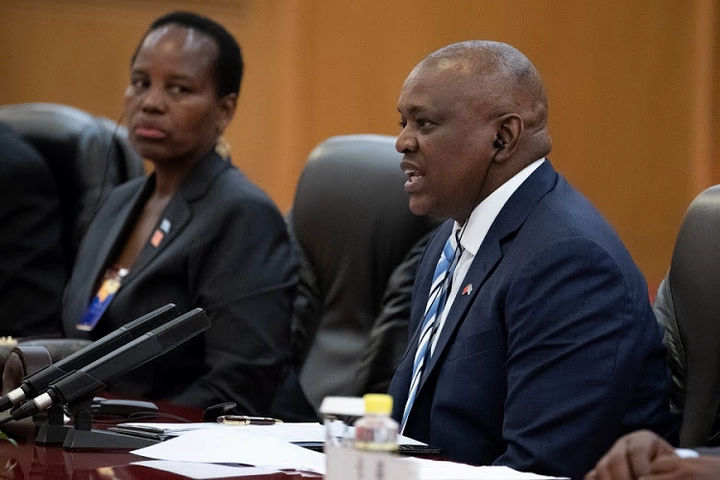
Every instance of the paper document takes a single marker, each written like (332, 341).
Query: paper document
(268, 446)
(235, 445)
(311, 432)
(167, 429)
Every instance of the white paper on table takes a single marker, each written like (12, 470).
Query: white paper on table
(236, 446)
(438, 470)
(165, 429)
(203, 471)
(171, 427)
(306, 432)
(290, 432)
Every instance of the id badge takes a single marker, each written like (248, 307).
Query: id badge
(102, 300)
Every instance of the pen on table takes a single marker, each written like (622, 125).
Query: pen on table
(246, 420)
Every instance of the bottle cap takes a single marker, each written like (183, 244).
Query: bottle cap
(378, 403)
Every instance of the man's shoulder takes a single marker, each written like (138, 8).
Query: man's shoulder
(571, 207)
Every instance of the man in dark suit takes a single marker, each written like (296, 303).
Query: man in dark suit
(643, 454)
(32, 268)
(533, 343)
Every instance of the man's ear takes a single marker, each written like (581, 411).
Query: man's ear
(226, 105)
(508, 137)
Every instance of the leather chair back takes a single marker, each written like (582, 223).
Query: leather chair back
(351, 220)
(688, 304)
(88, 156)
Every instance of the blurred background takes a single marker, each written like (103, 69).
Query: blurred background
(633, 85)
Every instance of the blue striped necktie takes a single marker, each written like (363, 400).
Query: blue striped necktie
(442, 280)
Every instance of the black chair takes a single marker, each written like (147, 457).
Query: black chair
(359, 246)
(688, 305)
(88, 155)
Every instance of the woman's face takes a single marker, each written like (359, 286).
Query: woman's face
(174, 113)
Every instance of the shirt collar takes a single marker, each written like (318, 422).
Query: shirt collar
(483, 216)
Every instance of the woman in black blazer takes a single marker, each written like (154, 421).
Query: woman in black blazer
(196, 232)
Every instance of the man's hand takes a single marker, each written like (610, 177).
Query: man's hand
(630, 457)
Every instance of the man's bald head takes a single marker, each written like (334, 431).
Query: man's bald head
(474, 114)
(506, 81)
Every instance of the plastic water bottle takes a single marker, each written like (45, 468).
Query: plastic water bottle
(339, 415)
(376, 431)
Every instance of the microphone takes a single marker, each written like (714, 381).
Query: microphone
(90, 379)
(38, 382)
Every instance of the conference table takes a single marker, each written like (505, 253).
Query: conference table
(31, 460)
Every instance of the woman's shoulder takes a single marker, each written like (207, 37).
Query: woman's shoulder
(235, 188)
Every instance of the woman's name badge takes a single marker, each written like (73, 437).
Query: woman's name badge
(102, 300)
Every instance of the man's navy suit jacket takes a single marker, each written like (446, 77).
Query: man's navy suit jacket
(555, 351)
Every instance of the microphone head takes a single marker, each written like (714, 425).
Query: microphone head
(91, 378)
(38, 382)
(182, 329)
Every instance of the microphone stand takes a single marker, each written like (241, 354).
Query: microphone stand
(54, 430)
(84, 437)
(77, 388)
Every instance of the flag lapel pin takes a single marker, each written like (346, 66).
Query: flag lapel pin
(160, 232)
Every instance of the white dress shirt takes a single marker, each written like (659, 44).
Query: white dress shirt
(478, 225)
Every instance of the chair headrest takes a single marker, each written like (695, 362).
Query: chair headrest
(694, 285)
(88, 155)
(351, 212)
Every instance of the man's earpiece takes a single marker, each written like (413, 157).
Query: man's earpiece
(499, 143)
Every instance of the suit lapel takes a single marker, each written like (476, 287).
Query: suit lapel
(174, 218)
(178, 213)
(490, 254)
(117, 231)
(480, 269)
